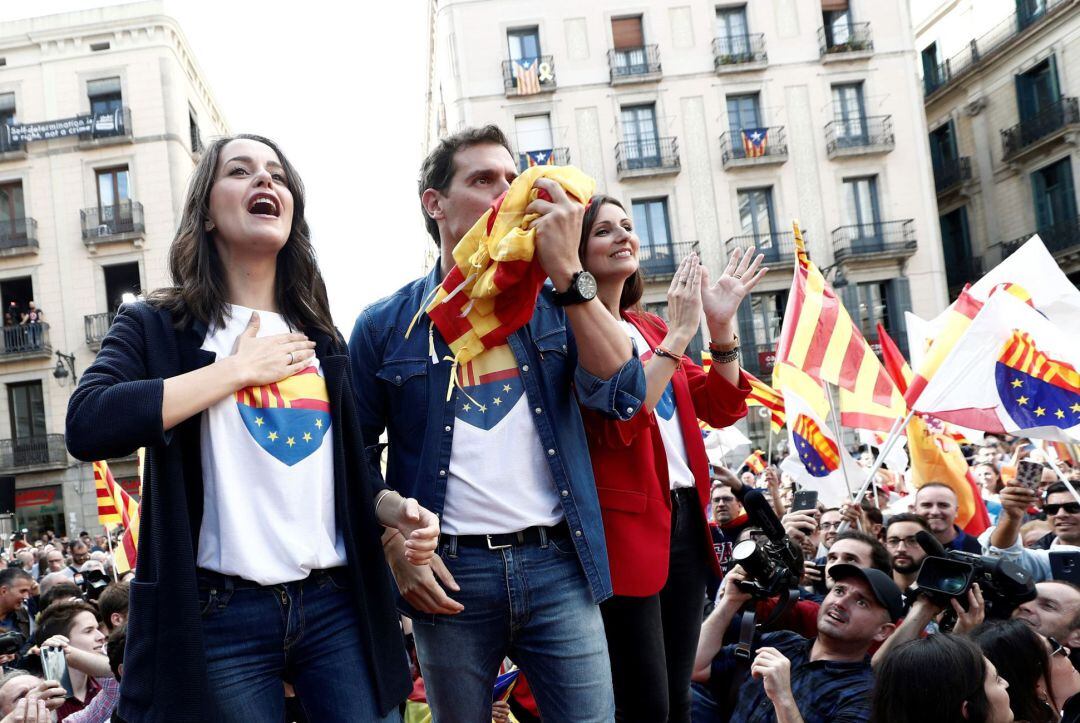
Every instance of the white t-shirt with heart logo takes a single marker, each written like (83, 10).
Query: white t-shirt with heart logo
(268, 471)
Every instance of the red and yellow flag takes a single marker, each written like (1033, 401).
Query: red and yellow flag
(756, 462)
(492, 289)
(820, 338)
(116, 507)
(761, 395)
(935, 454)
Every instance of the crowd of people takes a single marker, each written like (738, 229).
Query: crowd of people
(376, 530)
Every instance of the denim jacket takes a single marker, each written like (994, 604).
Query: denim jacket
(401, 386)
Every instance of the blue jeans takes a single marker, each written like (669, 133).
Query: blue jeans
(531, 602)
(304, 632)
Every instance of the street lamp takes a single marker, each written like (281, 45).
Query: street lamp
(63, 363)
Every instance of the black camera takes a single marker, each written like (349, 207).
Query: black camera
(949, 574)
(773, 565)
(11, 641)
(92, 583)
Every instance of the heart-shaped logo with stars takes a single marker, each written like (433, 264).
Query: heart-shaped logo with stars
(287, 419)
(491, 385)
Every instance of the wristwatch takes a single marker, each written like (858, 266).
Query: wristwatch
(582, 288)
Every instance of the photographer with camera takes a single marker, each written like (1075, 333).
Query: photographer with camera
(792, 678)
(15, 588)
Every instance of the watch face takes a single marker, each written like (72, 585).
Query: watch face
(586, 285)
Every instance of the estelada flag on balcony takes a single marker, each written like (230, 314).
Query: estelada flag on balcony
(934, 452)
(544, 157)
(1012, 372)
(491, 291)
(527, 75)
(754, 141)
(755, 462)
(819, 337)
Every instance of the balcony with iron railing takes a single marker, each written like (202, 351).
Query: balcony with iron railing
(33, 454)
(647, 157)
(661, 260)
(951, 173)
(1061, 239)
(736, 53)
(9, 149)
(1029, 14)
(97, 326)
(107, 224)
(778, 247)
(25, 341)
(1031, 134)
(550, 156)
(528, 76)
(18, 236)
(859, 136)
(854, 41)
(753, 147)
(634, 65)
(109, 128)
(879, 239)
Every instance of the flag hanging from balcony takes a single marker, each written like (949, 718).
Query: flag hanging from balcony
(820, 338)
(527, 75)
(492, 289)
(754, 141)
(544, 157)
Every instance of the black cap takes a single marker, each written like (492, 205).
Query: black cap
(885, 590)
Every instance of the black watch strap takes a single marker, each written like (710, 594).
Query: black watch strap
(571, 296)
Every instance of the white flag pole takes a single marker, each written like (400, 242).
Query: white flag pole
(112, 556)
(890, 442)
(839, 438)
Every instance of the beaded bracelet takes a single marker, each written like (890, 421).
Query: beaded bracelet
(724, 357)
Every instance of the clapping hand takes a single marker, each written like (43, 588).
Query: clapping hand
(721, 300)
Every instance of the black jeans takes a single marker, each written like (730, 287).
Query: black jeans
(652, 640)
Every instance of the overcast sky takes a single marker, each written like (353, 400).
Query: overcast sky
(341, 87)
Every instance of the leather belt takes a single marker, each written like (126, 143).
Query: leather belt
(529, 536)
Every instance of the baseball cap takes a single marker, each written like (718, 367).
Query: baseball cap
(885, 590)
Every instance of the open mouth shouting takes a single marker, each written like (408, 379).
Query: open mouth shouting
(264, 205)
(837, 616)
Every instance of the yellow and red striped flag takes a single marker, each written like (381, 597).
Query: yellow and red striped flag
(755, 462)
(116, 507)
(491, 291)
(761, 395)
(820, 338)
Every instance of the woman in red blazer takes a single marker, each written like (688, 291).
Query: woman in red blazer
(651, 472)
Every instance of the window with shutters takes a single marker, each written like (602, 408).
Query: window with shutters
(836, 17)
(849, 111)
(656, 253)
(630, 57)
(107, 108)
(641, 138)
(13, 222)
(7, 118)
(524, 43)
(956, 248)
(1055, 205)
(627, 33)
(193, 131)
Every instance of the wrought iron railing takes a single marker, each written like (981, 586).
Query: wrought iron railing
(97, 326)
(662, 259)
(628, 63)
(878, 237)
(24, 339)
(950, 172)
(1058, 237)
(772, 145)
(659, 154)
(854, 38)
(979, 50)
(18, 233)
(859, 132)
(733, 50)
(778, 247)
(46, 450)
(543, 67)
(104, 221)
(1055, 117)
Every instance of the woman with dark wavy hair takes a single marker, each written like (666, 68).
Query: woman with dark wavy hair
(259, 558)
(652, 474)
(941, 678)
(1026, 660)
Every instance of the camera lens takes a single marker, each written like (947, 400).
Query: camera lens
(952, 585)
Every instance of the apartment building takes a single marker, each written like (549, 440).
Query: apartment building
(102, 115)
(1000, 82)
(718, 122)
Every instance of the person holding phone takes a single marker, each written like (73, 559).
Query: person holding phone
(652, 474)
(72, 653)
(259, 555)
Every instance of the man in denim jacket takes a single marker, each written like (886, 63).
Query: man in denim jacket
(504, 461)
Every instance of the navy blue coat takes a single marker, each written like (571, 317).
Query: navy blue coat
(115, 410)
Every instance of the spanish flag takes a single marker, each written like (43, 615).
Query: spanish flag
(492, 289)
(755, 462)
(820, 338)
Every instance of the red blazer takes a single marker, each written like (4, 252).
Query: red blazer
(631, 471)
